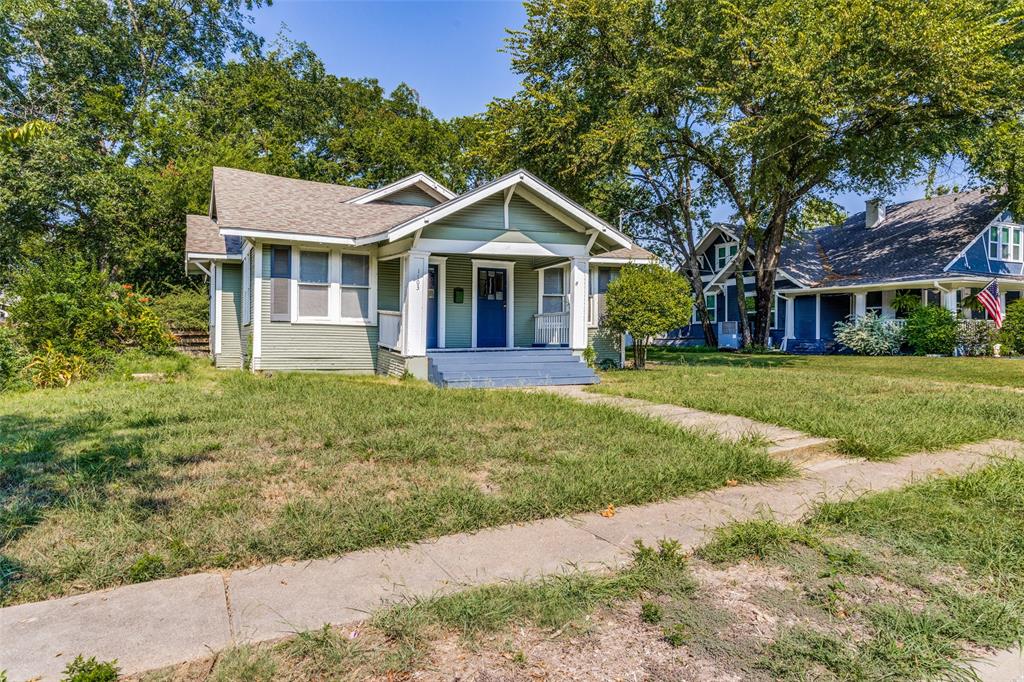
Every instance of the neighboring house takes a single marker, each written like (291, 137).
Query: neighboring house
(942, 249)
(502, 285)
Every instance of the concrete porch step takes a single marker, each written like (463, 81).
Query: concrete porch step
(507, 367)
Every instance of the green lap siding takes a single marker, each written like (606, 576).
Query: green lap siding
(606, 345)
(330, 347)
(485, 221)
(458, 326)
(412, 196)
(231, 317)
(525, 294)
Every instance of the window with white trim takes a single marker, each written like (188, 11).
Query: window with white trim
(873, 303)
(553, 294)
(724, 253)
(1006, 242)
(355, 286)
(711, 303)
(314, 284)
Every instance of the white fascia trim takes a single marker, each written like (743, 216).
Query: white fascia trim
(293, 237)
(909, 284)
(421, 180)
(507, 265)
(518, 177)
(198, 256)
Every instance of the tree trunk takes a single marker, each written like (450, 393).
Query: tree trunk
(741, 291)
(639, 353)
(767, 262)
(697, 285)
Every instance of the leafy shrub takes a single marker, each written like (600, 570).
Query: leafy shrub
(870, 335)
(184, 308)
(75, 307)
(931, 330)
(90, 670)
(905, 302)
(51, 368)
(975, 337)
(1012, 333)
(647, 301)
(13, 358)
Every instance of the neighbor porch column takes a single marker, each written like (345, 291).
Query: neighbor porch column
(790, 318)
(949, 300)
(414, 305)
(579, 286)
(860, 305)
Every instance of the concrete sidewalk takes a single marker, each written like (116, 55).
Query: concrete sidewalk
(785, 443)
(159, 623)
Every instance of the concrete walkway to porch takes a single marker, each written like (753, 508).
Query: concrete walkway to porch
(160, 623)
(798, 447)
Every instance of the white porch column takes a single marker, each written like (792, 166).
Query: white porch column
(860, 305)
(949, 300)
(414, 304)
(790, 318)
(579, 287)
(817, 317)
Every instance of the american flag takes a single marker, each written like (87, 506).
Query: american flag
(989, 300)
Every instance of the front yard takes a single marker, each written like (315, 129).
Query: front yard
(118, 481)
(875, 407)
(905, 585)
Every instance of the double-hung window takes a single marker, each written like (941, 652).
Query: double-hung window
(553, 296)
(711, 303)
(355, 287)
(724, 253)
(1006, 242)
(314, 284)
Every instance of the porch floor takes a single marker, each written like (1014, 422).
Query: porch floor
(505, 367)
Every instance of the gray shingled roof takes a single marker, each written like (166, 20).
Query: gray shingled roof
(634, 252)
(916, 240)
(254, 201)
(203, 236)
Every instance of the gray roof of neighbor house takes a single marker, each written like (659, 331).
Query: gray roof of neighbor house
(916, 240)
(203, 236)
(255, 201)
(630, 253)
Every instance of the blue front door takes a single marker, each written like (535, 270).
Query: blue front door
(491, 307)
(432, 297)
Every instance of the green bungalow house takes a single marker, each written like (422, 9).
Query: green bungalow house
(502, 285)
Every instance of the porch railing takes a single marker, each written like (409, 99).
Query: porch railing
(551, 329)
(389, 329)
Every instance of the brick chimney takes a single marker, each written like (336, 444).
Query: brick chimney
(874, 212)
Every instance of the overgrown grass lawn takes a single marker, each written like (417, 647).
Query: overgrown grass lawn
(118, 481)
(874, 407)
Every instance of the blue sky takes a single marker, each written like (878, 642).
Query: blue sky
(449, 52)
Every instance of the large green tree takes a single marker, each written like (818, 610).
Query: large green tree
(767, 106)
(140, 100)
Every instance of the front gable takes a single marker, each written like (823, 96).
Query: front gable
(996, 250)
(480, 228)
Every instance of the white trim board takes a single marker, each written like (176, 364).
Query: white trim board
(510, 310)
(442, 296)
